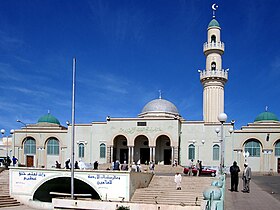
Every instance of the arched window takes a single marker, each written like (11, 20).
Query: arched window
(277, 149)
(102, 150)
(81, 150)
(53, 146)
(191, 152)
(30, 146)
(253, 147)
(213, 66)
(216, 152)
(213, 39)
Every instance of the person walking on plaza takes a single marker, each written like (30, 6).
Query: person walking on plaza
(152, 166)
(246, 178)
(124, 166)
(57, 164)
(234, 170)
(14, 160)
(178, 180)
(67, 163)
(200, 167)
(95, 165)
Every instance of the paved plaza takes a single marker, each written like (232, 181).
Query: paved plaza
(260, 197)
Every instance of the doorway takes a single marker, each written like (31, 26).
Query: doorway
(167, 157)
(29, 161)
(123, 155)
(144, 155)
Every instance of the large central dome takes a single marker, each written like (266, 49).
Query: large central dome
(159, 107)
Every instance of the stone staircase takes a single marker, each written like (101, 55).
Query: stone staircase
(162, 189)
(5, 199)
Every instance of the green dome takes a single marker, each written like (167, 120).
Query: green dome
(48, 118)
(213, 22)
(266, 116)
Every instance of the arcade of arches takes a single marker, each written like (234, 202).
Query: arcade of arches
(142, 148)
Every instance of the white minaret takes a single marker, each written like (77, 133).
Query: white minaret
(214, 77)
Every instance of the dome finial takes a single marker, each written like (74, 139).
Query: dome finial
(214, 8)
(266, 108)
(160, 94)
(49, 111)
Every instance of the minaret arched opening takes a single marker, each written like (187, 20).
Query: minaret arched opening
(213, 66)
(213, 39)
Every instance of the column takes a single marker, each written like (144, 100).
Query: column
(154, 153)
(112, 150)
(172, 155)
(132, 154)
(129, 155)
(176, 153)
(151, 153)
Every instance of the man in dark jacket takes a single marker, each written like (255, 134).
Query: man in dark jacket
(234, 170)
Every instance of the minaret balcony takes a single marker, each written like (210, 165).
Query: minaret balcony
(221, 74)
(220, 46)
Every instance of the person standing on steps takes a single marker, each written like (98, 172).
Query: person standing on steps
(191, 166)
(197, 165)
(178, 180)
(234, 170)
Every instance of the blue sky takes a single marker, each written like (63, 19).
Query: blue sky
(126, 51)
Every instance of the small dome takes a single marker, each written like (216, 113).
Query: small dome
(48, 118)
(160, 105)
(266, 117)
(213, 23)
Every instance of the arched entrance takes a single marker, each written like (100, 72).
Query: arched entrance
(141, 149)
(120, 149)
(29, 151)
(52, 145)
(254, 149)
(63, 185)
(163, 150)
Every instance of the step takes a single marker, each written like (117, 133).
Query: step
(10, 204)
(5, 199)
(162, 190)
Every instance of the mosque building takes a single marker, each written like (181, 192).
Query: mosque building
(159, 133)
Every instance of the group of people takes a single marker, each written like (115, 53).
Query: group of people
(78, 164)
(234, 170)
(135, 166)
(197, 166)
(7, 161)
(246, 177)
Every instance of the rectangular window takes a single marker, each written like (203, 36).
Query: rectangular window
(141, 123)
(191, 152)
(216, 152)
(102, 150)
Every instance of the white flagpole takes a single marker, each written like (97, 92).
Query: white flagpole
(73, 129)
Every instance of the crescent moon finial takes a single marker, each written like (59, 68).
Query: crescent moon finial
(214, 8)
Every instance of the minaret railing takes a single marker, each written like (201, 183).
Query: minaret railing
(222, 73)
(213, 46)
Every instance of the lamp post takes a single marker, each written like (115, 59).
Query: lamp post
(222, 118)
(25, 138)
(12, 131)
